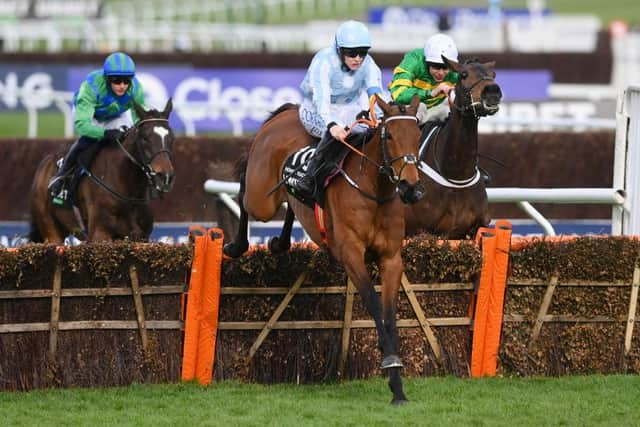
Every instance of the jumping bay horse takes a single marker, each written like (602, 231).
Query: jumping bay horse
(363, 209)
(111, 200)
(455, 204)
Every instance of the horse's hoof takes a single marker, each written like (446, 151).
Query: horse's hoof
(276, 246)
(234, 250)
(392, 361)
(401, 401)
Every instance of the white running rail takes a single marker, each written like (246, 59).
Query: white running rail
(624, 196)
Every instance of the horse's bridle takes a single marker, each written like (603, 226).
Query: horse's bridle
(466, 95)
(386, 168)
(464, 110)
(145, 164)
(408, 159)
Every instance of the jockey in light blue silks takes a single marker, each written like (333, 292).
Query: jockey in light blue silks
(338, 85)
(101, 107)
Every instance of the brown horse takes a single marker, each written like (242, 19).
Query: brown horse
(455, 204)
(112, 198)
(363, 211)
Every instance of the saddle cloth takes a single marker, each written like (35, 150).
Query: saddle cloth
(296, 166)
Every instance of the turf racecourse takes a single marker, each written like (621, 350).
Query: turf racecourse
(438, 401)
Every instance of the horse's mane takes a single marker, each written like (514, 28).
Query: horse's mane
(241, 164)
(283, 107)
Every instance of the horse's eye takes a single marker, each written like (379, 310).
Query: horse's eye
(464, 75)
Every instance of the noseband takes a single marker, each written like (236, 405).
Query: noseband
(408, 159)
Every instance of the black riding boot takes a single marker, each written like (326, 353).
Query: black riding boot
(56, 184)
(307, 183)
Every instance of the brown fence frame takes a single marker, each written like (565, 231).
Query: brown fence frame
(57, 293)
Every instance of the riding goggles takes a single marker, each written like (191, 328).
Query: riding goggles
(437, 66)
(352, 52)
(116, 80)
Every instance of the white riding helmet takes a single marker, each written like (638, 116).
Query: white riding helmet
(439, 45)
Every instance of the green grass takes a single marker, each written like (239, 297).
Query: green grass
(16, 124)
(568, 401)
(606, 10)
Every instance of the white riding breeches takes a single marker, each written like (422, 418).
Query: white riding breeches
(435, 113)
(124, 119)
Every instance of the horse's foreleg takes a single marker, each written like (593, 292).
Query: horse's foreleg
(353, 261)
(44, 228)
(390, 275)
(241, 242)
(51, 232)
(283, 243)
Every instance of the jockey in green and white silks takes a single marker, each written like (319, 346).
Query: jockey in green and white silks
(422, 71)
(338, 85)
(102, 107)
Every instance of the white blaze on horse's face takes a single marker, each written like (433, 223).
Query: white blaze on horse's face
(162, 132)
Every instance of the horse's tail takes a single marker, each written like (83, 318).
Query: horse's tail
(34, 233)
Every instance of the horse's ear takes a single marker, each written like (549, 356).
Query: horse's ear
(140, 112)
(167, 108)
(453, 65)
(490, 65)
(385, 107)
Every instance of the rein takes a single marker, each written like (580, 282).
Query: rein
(434, 174)
(385, 169)
(143, 166)
(467, 109)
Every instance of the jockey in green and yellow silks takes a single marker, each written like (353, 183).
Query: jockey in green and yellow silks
(423, 72)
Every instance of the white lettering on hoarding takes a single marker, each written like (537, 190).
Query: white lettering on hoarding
(36, 91)
(197, 98)
(541, 116)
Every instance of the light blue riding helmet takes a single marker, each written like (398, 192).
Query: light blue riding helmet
(119, 64)
(353, 34)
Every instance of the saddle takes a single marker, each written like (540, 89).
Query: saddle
(296, 165)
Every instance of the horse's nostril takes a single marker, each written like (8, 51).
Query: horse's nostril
(418, 193)
(492, 92)
(164, 180)
(410, 193)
